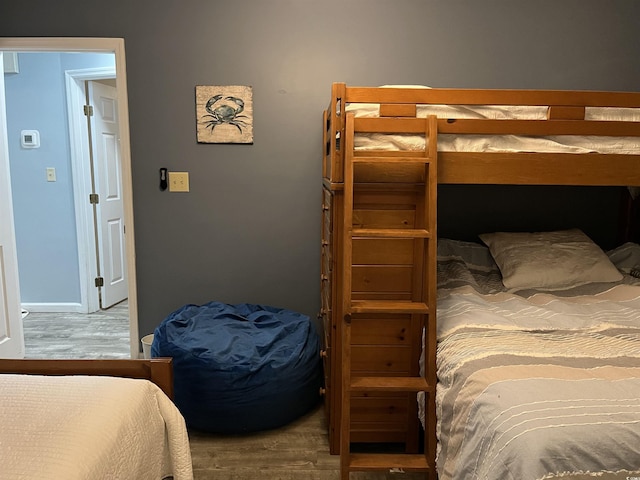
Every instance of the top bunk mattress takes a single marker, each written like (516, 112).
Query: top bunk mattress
(499, 143)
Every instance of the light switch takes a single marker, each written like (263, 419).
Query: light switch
(178, 181)
(51, 174)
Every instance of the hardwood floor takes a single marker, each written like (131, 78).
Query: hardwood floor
(299, 450)
(103, 334)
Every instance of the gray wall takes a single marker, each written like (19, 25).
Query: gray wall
(249, 229)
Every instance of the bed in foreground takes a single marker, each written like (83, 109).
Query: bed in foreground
(81, 419)
(536, 384)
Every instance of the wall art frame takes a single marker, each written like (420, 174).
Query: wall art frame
(224, 114)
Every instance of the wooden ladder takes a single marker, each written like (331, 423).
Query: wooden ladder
(423, 234)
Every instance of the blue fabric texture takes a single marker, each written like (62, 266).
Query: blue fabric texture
(240, 368)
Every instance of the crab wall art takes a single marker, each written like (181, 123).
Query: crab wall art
(224, 114)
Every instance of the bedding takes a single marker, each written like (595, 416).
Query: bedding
(90, 427)
(536, 385)
(498, 143)
(549, 260)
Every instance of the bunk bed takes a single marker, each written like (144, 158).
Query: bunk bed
(88, 419)
(373, 178)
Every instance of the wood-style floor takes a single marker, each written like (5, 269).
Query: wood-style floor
(103, 334)
(299, 450)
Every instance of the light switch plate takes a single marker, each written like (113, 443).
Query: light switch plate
(51, 174)
(178, 181)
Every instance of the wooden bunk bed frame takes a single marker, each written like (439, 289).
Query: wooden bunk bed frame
(156, 370)
(565, 117)
(374, 189)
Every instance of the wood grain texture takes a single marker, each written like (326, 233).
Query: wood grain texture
(156, 370)
(566, 116)
(299, 450)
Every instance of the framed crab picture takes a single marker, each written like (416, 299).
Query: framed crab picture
(224, 114)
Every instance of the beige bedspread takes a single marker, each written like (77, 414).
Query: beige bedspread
(89, 428)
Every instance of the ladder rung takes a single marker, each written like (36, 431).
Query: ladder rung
(389, 384)
(387, 306)
(367, 462)
(390, 159)
(391, 232)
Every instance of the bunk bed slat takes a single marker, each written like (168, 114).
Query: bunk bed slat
(539, 127)
(538, 169)
(460, 96)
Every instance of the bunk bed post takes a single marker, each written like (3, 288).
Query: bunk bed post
(330, 259)
(337, 131)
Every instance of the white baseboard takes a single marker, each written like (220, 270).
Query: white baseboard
(54, 307)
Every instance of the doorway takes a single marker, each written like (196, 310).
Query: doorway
(74, 79)
(97, 186)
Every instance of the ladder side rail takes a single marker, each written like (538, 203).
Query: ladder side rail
(431, 196)
(347, 253)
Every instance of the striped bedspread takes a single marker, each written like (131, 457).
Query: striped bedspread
(536, 385)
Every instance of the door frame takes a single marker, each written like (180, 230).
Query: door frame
(115, 46)
(82, 184)
(11, 331)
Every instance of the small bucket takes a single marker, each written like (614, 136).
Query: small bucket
(147, 341)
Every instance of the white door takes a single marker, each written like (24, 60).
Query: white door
(11, 335)
(105, 152)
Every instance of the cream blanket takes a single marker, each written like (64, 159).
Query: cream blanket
(90, 428)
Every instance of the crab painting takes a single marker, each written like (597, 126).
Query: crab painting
(224, 114)
(228, 111)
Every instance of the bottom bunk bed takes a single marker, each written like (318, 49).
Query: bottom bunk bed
(540, 380)
(91, 419)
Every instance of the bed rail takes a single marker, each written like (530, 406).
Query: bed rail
(566, 114)
(157, 370)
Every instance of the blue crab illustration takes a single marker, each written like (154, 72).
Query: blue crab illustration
(225, 112)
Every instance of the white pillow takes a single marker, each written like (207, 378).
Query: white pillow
(549, 260)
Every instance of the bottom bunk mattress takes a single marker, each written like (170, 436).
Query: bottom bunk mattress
(90, 427)
(536, 385)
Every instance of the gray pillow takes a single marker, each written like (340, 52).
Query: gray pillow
(549, 260)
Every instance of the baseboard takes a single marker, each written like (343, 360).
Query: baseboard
(54, 307)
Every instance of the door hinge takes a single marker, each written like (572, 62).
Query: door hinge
(94, 198)
(88, 110)
(99, 282)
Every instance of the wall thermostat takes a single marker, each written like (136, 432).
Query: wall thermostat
(30, 138)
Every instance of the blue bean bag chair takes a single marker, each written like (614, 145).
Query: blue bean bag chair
(240, 368)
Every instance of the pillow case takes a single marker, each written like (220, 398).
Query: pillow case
(549, 260)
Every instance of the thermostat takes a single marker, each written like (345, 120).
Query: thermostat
(30, 138)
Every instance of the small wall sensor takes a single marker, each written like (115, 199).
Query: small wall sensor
(30, 138)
